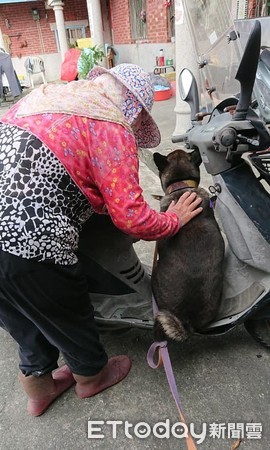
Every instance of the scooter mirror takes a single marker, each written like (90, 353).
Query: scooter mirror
(189, 91)
(185, 82)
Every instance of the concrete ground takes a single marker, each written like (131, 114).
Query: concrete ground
(223, 383)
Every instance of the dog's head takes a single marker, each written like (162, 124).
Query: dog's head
(178, 166)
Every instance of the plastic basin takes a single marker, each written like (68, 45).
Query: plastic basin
(163, 94)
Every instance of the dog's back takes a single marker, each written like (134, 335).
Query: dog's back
(187, 280)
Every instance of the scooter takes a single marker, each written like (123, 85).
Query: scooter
(242, 198)
(121, 285)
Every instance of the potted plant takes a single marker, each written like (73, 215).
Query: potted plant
(88, 59)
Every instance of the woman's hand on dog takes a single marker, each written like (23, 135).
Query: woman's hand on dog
(186, 207)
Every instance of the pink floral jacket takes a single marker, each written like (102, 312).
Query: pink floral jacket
(102, 159)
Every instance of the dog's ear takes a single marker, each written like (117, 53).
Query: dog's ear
(196, 158)
(160, 161)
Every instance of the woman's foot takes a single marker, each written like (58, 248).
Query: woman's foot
(115, 371)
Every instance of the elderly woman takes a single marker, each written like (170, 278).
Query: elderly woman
(68, 151)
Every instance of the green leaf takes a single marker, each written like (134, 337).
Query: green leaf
(88, 59)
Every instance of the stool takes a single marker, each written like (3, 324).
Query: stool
(163, 69)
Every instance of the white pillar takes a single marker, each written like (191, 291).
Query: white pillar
(2, 43)
(58, 7)
(185, 57)
(95, 21)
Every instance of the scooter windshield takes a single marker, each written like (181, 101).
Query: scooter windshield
(217, 46)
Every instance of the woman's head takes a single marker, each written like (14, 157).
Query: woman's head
(131, 89)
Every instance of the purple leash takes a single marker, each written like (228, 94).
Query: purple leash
(164, 358)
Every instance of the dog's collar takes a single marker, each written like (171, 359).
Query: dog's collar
(178, 185)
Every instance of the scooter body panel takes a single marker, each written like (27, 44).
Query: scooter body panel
(243, 210)
(243, 207)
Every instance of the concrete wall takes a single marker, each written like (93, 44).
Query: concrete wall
(145, 54)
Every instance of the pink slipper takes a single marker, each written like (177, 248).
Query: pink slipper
(63, 380)
(115, 371)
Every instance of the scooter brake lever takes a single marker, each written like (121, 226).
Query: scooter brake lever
(244, 140)
(229, 156)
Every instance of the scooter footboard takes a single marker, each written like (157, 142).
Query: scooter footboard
(119, 285)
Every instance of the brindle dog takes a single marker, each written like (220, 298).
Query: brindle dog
(187, 280)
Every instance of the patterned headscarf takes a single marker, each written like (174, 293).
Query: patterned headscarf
(137, 93)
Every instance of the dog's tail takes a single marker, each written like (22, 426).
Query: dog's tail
(172, 326)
